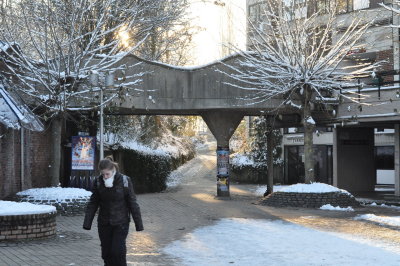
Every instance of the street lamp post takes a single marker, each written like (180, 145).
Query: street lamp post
(109, 83)
(101, 125)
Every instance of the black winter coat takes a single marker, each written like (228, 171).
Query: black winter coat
(115, 203)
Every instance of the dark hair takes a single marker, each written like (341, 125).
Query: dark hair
(108, 164)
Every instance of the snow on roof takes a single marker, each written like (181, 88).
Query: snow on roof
(59, 194)
(7, 117)
(383, 220)
(329, 207)
(313, 188)
(195, 67)
(21, 208)
(14, 113)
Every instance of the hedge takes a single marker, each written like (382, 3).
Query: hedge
(149, 172)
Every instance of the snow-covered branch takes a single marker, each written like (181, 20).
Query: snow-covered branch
(292, 48)
(50, 47)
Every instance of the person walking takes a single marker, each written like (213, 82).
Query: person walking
(114, 196)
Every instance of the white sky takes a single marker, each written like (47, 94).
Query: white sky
(217, 24)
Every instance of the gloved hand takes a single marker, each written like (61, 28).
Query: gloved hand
(86, 227)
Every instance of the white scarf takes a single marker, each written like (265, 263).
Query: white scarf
(109, 181)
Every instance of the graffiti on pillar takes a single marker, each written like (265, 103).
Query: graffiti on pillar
(223, 169)
(223, 184)
(223, 162)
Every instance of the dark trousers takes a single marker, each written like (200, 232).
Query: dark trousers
(113, 243)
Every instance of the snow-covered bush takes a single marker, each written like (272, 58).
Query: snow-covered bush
(245, 170)
(149, 166)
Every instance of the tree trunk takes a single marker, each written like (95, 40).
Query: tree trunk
(55, 154)
(308, 138)
(270, 162)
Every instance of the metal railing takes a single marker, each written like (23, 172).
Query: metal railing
(85, 182)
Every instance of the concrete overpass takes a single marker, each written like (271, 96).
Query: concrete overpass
(170, 90)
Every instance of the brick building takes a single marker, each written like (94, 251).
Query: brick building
(32, 171)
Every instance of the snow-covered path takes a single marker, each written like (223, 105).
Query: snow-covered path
(266, 242)
(187, 225)
(194, 228)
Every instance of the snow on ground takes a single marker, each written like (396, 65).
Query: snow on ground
(370, 202)
(265, 242)
(188, 169)
(383, 220)
(59, 194)
(21, 208)
(260, 190)
(313, 188)
(175, 178)
(385, 206)
(329, 207)
(302, 188)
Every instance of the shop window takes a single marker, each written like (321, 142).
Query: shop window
(294, 164)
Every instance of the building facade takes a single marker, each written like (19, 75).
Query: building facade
(342, 144)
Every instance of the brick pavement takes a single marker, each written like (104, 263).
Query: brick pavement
(170, 215)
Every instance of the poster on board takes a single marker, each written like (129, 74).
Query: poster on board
(222, 162)
(83, 152)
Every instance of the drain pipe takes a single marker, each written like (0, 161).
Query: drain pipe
(22, 159)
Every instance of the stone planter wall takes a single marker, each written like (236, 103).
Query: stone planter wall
(309, 200)
(28, 226)
(71, 207)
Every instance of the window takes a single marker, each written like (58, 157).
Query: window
(322, 6)
(257, 15)
(345, 6)
(384, 157)
(295, 9)
(360, 4)
(254, 11)
(294, 164)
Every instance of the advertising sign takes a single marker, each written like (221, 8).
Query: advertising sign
(83, 151)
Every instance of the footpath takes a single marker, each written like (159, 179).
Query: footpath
(170, 215)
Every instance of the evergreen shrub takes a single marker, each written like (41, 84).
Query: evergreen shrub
(149, 172)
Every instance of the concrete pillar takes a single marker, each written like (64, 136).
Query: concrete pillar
(222, 124)
(353, 159)
(397, 160)
(335, 158)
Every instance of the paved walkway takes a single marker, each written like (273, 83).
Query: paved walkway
(170, 215)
